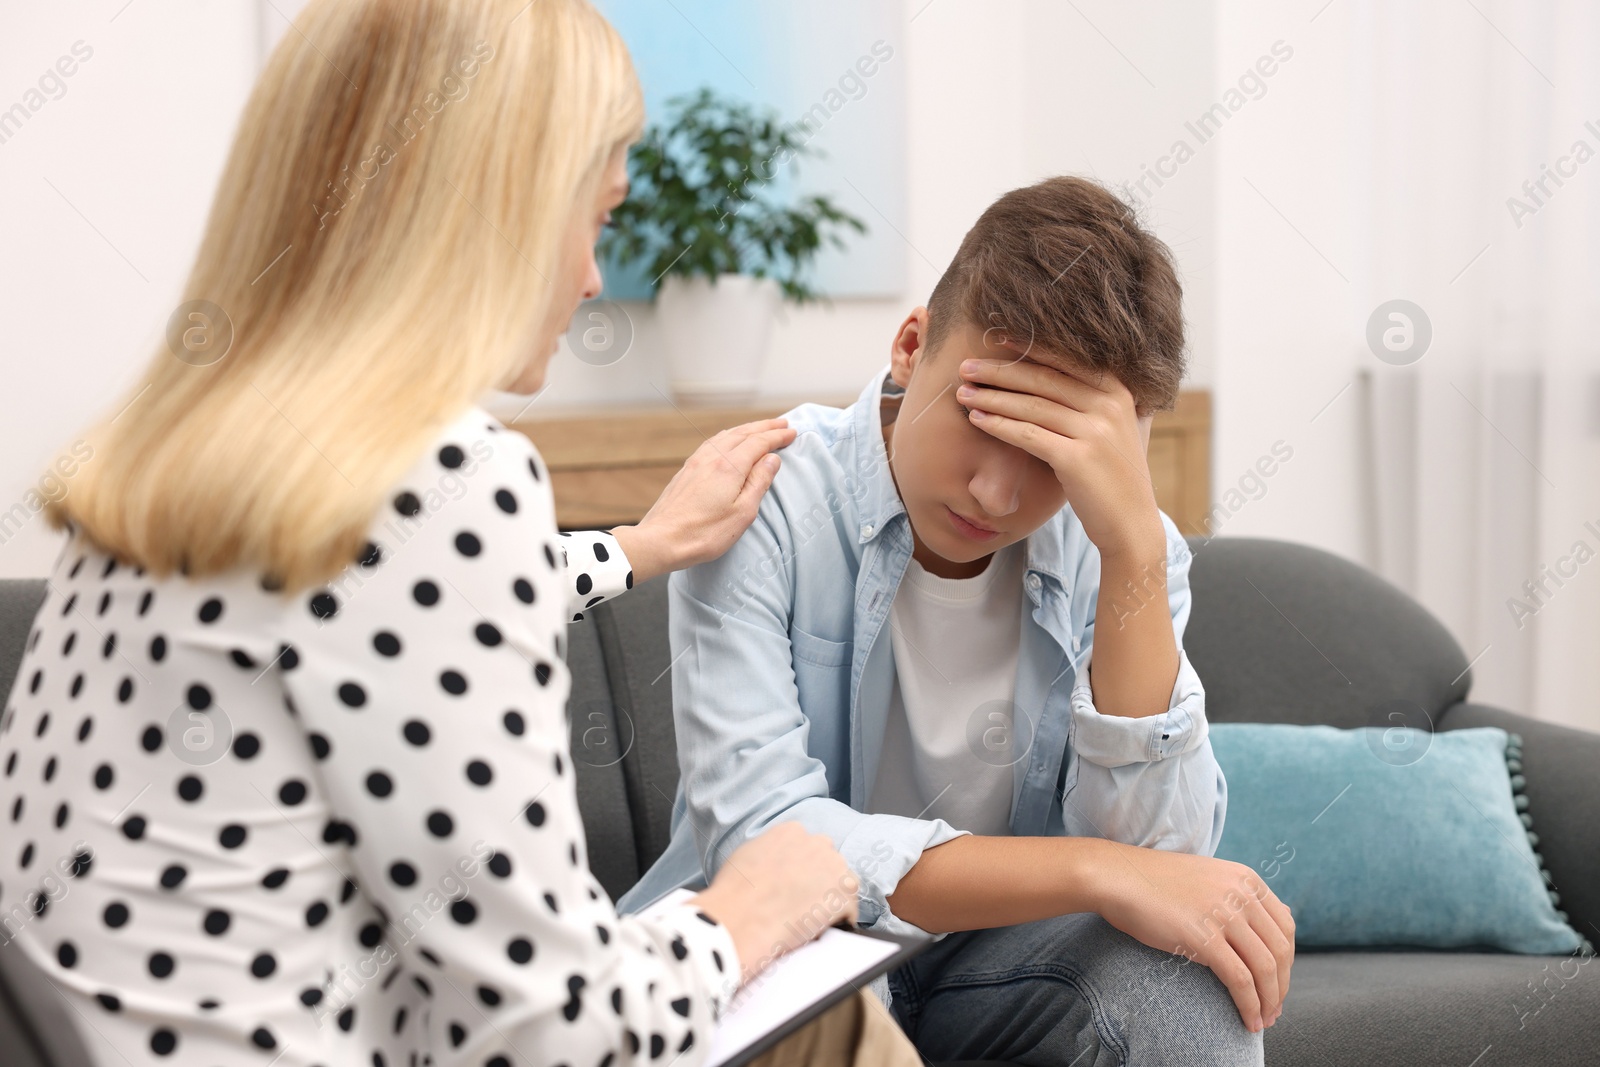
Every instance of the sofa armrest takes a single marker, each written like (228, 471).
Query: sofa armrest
(1563, 798)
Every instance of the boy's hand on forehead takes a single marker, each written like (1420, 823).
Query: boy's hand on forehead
(1086, 426)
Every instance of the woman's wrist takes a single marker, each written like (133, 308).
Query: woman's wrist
(645, 552)
(742, 926)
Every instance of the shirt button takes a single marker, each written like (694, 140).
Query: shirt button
(866, 530)
(1033, 581)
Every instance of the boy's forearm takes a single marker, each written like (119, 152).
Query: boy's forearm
(973, 883)
(1134, 664)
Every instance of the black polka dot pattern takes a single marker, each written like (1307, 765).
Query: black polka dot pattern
(254, 791)
(596, 569)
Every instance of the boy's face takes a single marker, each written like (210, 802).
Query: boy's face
(965, 492)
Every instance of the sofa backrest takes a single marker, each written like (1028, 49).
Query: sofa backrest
(602, 736)
(1281, 632)
(35, 1026)
(622, 736)
(19, 603)
(633, 693)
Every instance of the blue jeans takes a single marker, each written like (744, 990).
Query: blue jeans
(1072, 991)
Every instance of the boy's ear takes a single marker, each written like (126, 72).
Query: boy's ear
(907, 349)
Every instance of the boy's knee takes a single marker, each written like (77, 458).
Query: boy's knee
(1169, 1009)
(1074, 989)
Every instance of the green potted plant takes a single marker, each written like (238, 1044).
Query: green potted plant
(719, 246)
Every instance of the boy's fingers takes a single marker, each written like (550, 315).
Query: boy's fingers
(1269, 917)
(1237, 977)
(1025, 435)
(1027, 407)
(1276, 909)
(1065, 383)
(1262, 963)
(1280, 914)
(1282, 951)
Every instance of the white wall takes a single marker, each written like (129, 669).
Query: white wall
(1287, 313)
(106, 190)
(1383, 164)
(1002, 93)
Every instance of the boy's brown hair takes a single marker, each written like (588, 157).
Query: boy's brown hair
(1066, 264)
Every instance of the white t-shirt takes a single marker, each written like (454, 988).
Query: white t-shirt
(947, 744)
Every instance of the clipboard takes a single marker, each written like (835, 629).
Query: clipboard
(904, 949)
(839, 962)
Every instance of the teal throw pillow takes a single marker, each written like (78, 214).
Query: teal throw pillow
(1391, 836)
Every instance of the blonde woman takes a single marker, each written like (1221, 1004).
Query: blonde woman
(286, 762)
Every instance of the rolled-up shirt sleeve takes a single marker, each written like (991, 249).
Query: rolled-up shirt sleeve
(1116, 740)
(1150, 781)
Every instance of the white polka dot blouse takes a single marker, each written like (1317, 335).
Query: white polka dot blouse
(338, 826)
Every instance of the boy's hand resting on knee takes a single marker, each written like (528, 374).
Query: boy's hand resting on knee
(1215, 912)
(778, 891)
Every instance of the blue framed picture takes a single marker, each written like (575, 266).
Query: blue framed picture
(832, 69)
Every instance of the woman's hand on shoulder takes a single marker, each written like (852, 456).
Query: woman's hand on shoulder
(709, 503)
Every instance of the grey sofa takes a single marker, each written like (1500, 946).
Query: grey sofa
(1279, 633)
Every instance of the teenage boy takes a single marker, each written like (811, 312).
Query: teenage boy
(950, 641)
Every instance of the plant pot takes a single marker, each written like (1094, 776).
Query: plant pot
(716, 335)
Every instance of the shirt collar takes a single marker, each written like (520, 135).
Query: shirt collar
(880, 500)
(881, 503)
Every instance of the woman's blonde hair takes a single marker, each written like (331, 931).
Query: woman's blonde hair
(382, 248)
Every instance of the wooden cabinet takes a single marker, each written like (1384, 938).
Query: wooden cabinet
(1180, 461)
(608, 465)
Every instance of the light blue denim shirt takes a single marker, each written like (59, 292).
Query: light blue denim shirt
(782, 670)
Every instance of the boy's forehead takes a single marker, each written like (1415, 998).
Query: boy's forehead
(998, 343)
